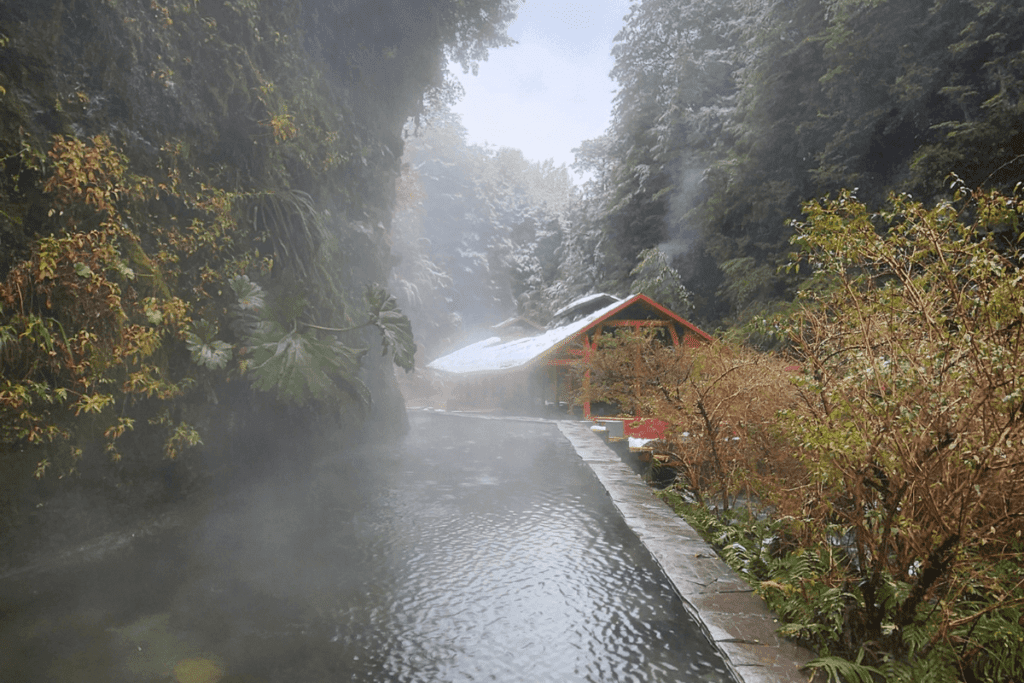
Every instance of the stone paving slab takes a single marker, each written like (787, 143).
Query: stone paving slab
(735, 619)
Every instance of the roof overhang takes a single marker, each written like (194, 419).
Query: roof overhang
(492, 356)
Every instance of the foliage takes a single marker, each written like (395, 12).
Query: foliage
(657, 279)
(409, 52)
(394, 327)
(749, 543)
(912, 407)
(841, 670)
(86, 316)
(676, 62)
(227, 147)
(207, 351)
(720, 402)
(300, 367)
(481, 232)
(293, 226)
(887, 534)
(730, 114)
(285, 355)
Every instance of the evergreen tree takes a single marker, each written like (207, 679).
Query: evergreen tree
(730, 114)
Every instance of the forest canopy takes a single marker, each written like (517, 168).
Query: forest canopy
(730, 114)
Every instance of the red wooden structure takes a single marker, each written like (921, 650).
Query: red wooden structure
(522, 374)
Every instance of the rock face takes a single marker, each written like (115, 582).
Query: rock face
(187, 183)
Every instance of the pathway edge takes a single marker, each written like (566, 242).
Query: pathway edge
(732, 616)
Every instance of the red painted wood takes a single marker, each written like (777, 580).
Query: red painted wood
(646, 428)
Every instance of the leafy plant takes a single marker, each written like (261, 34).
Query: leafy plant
(300, 368)
(118, 247)
(305, 364)
(894, 547)
(394, 327)
(911, 422)
(77, 320)
(248, 308)
(292, 222)
(720, 401)
(207, 351)
(841, 670)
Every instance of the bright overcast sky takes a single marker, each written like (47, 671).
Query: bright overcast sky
(550, 91)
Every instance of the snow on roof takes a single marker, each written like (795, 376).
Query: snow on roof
(517, 321)
(492, 354)
(583, 301)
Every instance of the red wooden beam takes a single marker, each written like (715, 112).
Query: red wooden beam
(639, 323)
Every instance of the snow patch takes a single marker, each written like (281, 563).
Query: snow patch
(491, 355)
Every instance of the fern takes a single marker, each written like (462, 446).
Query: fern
(840, 670)
(997, 641)
(936, 667)
(791, 584)
(744, 542)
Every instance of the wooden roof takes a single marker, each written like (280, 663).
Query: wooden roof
(494, 355)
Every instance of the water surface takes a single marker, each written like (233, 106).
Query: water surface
(475, 550)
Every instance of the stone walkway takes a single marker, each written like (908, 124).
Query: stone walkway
(735, 618)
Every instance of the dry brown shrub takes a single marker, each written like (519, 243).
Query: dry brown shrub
(721, 403)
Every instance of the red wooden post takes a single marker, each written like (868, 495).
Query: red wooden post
(586, 377)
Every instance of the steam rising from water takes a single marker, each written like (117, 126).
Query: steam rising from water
(474, 550)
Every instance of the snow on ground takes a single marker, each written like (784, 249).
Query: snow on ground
(636, 444)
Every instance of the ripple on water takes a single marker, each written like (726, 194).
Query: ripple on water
(476, 551)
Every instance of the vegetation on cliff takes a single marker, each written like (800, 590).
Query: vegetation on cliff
(195, 211)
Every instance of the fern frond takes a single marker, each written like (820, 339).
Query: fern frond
(840, 670)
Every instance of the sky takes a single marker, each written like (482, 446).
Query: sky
(551, 91)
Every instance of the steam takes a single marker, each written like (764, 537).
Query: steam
(681, 226)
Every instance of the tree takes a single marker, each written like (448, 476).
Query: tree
(731, 114)
(654, 277)
(676, 65)
(486, 225)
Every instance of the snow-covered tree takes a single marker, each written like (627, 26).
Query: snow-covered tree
(657, 279)
(481, 229)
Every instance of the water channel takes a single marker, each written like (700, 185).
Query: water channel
(475, 550)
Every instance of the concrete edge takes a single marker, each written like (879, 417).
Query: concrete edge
(733, 617)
